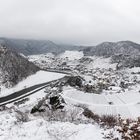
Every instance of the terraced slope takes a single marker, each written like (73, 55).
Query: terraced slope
(127, 104)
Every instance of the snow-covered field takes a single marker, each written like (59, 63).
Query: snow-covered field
(114, 100)
(38, 78)
(41, 57)
(72, 59)
(126, 104)
(71, 55)
(100, 62)
(38, 128)
(122, 102)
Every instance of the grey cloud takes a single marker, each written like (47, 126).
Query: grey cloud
(71, 21)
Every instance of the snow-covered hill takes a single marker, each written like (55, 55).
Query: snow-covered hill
(113, 48)
(99, 99)
(39, 129)
(34, 79)
(31, 47)
(14, 67)
(118, 87)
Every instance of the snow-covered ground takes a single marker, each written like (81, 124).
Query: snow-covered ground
(39, 129)
(71, 55)
(38, 78)
(41, 57)
(72, 58)
(114, 100)
(125, 104)
(101, 70)
(101, 62)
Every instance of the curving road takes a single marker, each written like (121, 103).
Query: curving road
(127, 105)
(25, 92)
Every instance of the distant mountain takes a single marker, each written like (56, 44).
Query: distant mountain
(30, 47)
(108, 49)
(14, 67)
(124, 53)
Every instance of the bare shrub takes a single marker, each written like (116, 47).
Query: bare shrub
(70, 115)
(108, 120)
(89, 114)
(105, 120)
(61, 132)
(129, 129)
(110, 135)
(57, 115)
(21, 116)
(2, 108)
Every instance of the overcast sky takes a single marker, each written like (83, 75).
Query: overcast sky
(71, 21)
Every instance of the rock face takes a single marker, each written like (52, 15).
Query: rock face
(14, 67)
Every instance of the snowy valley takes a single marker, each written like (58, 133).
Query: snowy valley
(90, 93)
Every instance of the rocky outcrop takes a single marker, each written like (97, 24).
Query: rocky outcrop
(53, 101)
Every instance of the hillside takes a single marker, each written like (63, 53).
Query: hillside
(94, 98)
(30, 47)
(14, 67)
(125, 53)
(108, 49)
